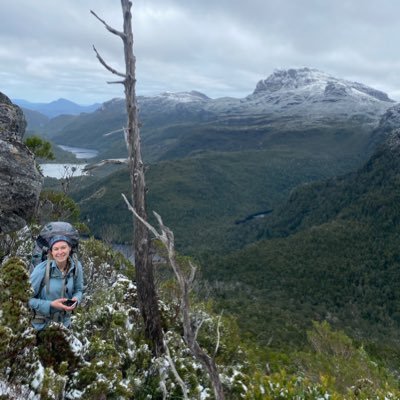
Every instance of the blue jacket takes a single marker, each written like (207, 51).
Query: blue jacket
(40, 302)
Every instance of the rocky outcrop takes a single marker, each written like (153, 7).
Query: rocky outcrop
(20, 181)
(12, 120)
(389, 122)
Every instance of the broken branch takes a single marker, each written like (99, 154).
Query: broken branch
(109, 28)
(116, 131)
(175, 372)
(105, 65)
(115, 161)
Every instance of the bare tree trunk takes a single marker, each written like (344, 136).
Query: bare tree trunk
(148, 301)
(143, 264)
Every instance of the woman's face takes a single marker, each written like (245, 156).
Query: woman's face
(60, 251)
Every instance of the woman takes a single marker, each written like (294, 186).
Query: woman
(57, 284)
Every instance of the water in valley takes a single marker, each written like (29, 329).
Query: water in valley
(61, 170)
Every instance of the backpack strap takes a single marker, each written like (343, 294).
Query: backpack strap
(64, 285)
(46, 279)
(76, 261)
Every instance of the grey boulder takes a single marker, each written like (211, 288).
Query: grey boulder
(20, 180)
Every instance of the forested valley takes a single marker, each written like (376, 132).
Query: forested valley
(294, 228)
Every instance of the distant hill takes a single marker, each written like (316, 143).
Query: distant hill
(87, 130)
(57, 107)
(36, 121)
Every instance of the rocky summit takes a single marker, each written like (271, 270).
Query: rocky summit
(309, 97)
(20, 181)
(317, 81)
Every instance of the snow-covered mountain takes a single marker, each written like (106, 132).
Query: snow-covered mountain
(303, 100)
(303, 97)
(312, 80)
(307, 97)
(305, 94)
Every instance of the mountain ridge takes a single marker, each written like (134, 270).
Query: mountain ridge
(57, 107)
(284, 93)
(192, 121)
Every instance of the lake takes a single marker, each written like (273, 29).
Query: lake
(68, 169)
(80, 152)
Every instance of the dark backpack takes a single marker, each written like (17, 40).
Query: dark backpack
(57, 228)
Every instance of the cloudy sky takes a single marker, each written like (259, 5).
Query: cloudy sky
(219, 47)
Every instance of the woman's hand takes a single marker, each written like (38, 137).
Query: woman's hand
(59, 304)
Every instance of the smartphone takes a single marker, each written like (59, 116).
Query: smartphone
(69, 303)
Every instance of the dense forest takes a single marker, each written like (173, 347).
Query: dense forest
(329, 254)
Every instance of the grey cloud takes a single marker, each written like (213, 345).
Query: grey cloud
(218, 47)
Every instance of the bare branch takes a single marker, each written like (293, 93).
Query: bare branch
(218, 335)
(146, 224)
(162, 385)
(198, 328)
(102, 62)
(175, 372)
(115, 161)
(126, 137)
(192, 272)
(116, 131)
(109, 28)
(113, 82)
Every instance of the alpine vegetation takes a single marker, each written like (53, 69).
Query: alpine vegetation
(105, 354)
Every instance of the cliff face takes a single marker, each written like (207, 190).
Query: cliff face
(20, 181)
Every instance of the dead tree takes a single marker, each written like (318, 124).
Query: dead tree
(147, 295)
(185, 282)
